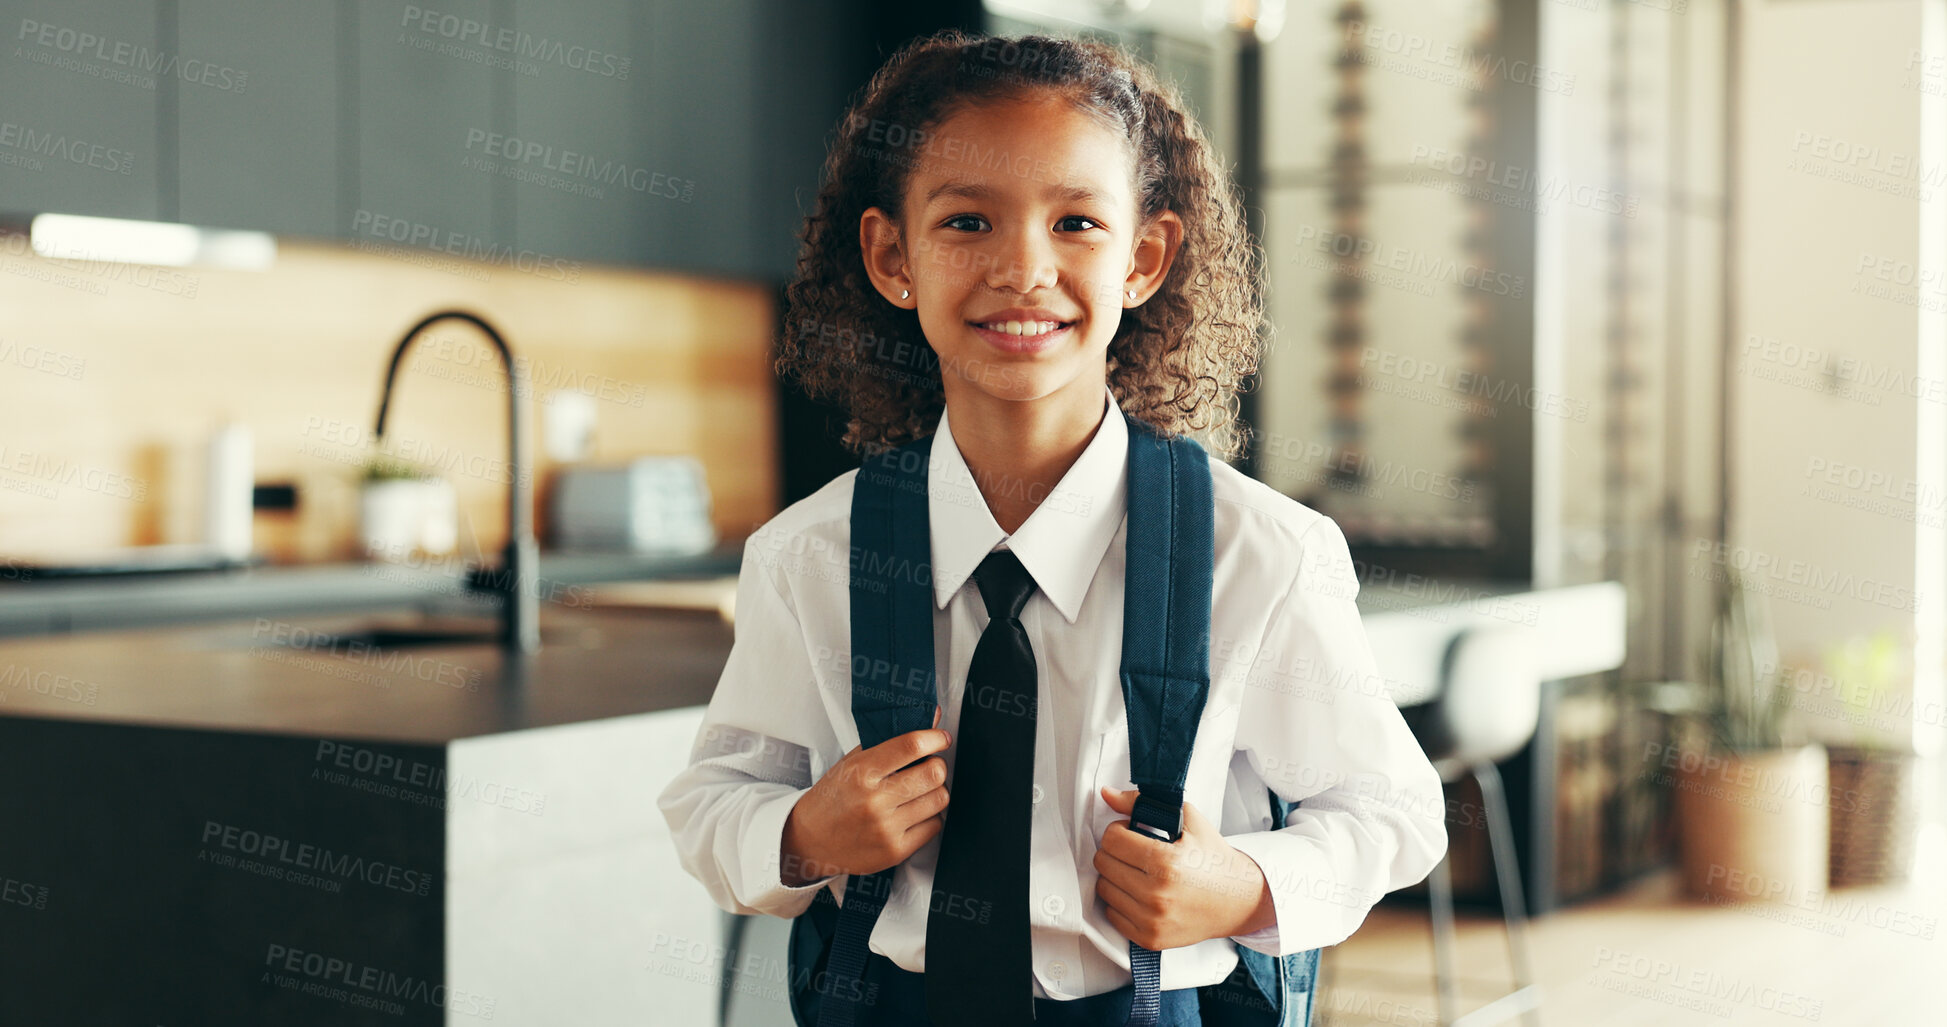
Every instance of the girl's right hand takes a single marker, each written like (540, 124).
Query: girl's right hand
(870, 811)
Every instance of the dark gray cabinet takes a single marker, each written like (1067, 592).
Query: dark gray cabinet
(259, 126)
(80, 89)
(597, 175)
(428, 96)
(656, 133)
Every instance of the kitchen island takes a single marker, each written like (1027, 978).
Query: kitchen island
(265, 821)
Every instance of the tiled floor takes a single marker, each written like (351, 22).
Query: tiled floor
(1648, 956)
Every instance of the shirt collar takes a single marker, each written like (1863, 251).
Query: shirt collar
(1062, 542)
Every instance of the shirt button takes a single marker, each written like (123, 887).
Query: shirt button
(1056, 969)
(1052, 905)
(1037, 793)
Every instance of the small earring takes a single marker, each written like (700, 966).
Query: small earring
(904, 294)
(1132, 294)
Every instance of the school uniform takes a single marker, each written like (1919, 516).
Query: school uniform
(1295, 703)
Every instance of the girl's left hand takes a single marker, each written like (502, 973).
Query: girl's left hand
(1163, 896)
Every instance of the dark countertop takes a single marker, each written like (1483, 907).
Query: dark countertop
(49, 606)
(278, 676)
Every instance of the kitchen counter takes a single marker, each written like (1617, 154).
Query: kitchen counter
(305, 676)
(216, 816)
(50, 606)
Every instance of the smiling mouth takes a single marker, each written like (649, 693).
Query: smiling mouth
(1022, 329)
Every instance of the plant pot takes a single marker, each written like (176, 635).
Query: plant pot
(1754, 826)
(401, 517)
(1874, 819)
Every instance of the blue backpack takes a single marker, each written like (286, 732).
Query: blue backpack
(1165, 679)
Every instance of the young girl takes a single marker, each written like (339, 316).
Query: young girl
(1020, 243)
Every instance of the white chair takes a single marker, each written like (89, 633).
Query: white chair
(1487, 709)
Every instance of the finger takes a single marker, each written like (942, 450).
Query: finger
(914, 781)
(922, 806)
(1118, 898)
(1117, 799)
(921, 833)
(901, 751)
(1121, 923)
(1131, 846)
(1123, 875)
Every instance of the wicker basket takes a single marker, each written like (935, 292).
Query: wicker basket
(1873, 816)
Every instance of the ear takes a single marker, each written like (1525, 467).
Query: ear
(885, 258)
(1150, 263)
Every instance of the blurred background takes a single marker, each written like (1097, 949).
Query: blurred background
(1611, 333)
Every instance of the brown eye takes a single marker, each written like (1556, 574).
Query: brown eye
(1091, 222)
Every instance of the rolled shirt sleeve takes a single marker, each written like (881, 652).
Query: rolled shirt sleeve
(1319, 726)
(764, 739)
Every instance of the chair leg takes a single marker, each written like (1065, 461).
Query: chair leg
(1500, 837)
(1440, 900)
(733, 941)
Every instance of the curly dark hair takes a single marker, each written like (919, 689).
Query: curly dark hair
(1175, 362)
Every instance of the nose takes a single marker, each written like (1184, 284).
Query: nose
(1023, 262)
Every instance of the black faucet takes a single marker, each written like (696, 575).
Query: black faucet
(520, 613)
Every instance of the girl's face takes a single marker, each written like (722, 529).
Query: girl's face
(1020, 247)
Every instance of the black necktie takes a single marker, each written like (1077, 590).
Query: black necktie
(978, 962)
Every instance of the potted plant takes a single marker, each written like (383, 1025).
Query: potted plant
(405, 509)
(1873, 815)
(1750, 793)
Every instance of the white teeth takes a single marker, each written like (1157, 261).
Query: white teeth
(1022, 327)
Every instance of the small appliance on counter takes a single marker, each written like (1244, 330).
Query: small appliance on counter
(652, 504)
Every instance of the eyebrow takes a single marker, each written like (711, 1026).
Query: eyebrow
(975, 191)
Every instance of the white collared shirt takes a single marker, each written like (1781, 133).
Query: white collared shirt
(1295, 703)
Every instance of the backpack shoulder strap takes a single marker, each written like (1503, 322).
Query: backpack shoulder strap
(1171, 552)
(893, 687)
(893, 678)
(1167, 592)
